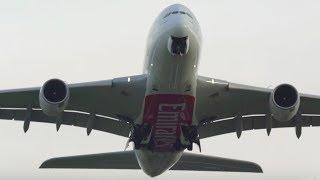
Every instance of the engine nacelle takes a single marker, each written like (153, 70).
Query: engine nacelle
(284, 102)
(53, 97)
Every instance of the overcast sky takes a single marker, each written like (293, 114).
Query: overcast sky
(261, 43)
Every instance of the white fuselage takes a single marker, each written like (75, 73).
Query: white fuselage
(171, 87)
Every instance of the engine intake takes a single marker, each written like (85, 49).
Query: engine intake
(284, 102)
(53, 97)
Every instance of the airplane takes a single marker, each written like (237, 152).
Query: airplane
(164, 111)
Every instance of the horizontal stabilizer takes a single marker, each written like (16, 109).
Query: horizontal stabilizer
(127, 160)
(113, 160)
(198, 162)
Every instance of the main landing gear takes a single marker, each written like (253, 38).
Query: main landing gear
(142, 138)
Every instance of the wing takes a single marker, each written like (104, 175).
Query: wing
(108, 105)
(224, 107)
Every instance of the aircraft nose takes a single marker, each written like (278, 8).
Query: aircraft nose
(155, 163)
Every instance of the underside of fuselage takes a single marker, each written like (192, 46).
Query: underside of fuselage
(155, 163)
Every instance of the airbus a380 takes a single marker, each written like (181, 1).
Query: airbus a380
(165, 110)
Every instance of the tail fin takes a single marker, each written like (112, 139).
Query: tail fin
(127, 160)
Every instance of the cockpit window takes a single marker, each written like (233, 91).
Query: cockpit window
(178, 45)
(177, 12)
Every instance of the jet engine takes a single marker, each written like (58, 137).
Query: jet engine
(53, 97)
(284, 102)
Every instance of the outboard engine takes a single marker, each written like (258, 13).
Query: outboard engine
(53, 97)
(284, 102)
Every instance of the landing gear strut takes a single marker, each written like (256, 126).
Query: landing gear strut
(191, 134)
(139, 133)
